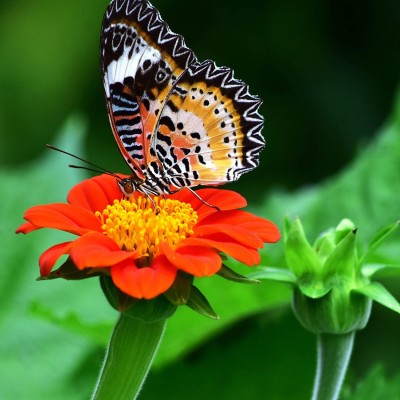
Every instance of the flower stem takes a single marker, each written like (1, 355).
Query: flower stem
(129, 355)
(334, 351)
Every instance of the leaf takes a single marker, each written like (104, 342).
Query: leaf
(81, 314)
(370, 270)
(366, 191)
(273, 274)
(376, 385)
(98, 332)
(377, 292)
(380, 237)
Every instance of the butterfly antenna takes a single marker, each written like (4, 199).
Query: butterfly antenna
(96, 168)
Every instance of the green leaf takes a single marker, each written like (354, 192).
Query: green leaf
(229, 274)
(379, 238)
(376, 385)
(369, 270)
(377, 292)
(98, 332)
(273, 274)
(198, 302)
(366, 191)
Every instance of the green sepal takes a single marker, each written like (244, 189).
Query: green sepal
(337, 312)
(379, 238)
(69, 271)
(273, 274)
(299, 255)
(341, 264)
(117, 299)
(287, 225)
(344, 227)
(179, 293)
(325, 245)
(343, 261)
(377, 292)
(148, 311)
(313, 288)
(198, 302)
(227, 273)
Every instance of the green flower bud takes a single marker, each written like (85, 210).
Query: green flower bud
(333, 291)
(339, 311)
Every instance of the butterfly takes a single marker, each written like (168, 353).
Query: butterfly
(178, 122)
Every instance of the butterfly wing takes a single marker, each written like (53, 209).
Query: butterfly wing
(177, 122)
(141, 61)
(209, 132)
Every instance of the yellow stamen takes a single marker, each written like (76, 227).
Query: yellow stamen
(135, 225)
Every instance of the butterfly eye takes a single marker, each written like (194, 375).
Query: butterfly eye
(127, 186)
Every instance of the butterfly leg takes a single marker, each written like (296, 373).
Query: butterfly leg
(202, 200)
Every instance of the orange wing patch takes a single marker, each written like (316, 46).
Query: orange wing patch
(202, 133)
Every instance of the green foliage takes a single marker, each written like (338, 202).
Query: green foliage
(324, 86)
(376, 385)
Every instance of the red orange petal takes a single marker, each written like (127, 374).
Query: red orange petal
(195, 260)
(65, 217)
(96, 193)
(97, 250)
(229, 232)
(144, 282)
(266, 230)
(223, 199)
(50, 257)
(26, 227)
(241, 253)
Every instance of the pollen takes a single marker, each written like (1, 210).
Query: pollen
(136, 225)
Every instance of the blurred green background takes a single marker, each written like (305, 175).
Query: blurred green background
(327, 72)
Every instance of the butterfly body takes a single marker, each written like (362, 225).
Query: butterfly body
(178, 122)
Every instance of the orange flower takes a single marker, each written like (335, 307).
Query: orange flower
(143, 249)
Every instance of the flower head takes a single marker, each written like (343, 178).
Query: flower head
(142, 247)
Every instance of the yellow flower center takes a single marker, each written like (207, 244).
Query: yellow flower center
(135, 225)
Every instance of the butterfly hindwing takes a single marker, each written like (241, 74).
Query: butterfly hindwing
(209, 133)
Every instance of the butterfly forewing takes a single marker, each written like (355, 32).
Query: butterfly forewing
(141, 59)
(178, 122)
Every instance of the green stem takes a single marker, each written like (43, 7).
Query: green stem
(334, 353)
(129, 355)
